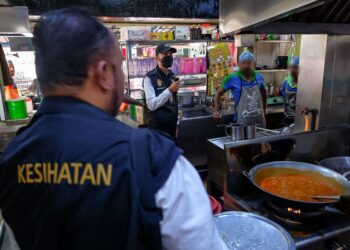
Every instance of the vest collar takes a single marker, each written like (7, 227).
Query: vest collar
(162, 73)
(69, 105)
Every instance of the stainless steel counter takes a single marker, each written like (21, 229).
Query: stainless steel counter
(260, 133)
(194, 132)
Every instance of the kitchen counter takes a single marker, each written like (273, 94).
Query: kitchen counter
(7, 133)
(195, 128)
(260, 133)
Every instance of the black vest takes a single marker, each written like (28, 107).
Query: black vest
(168, 113)
(67, 180)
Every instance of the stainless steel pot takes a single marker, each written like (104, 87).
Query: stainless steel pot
(299, 167)
(340, 164)
(270, 90)
(186, 96)
(242, 230)
(249, 131)
(236, 131)
(202, 96)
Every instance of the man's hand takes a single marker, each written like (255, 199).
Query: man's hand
(174, 87)
(216, 115)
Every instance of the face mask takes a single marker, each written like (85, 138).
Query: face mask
(167, 61)
(246, 71)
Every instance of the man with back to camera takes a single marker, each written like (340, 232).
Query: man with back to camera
(74, 178)
(248, 92)
(161, 88)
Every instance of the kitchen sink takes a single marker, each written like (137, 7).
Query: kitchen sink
(195, 113)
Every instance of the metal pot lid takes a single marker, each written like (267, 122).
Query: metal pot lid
(242, 230)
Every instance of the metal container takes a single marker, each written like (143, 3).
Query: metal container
(299, 167)
(249, 131)
(242, 230)
(236, 131)
(186, 96)
(202, 95)
(340, 164)
(270, 90)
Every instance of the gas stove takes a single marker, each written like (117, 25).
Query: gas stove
(324, 229)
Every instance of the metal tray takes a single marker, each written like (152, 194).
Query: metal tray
(243, 231)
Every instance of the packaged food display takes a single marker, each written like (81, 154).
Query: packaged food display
(220, 65)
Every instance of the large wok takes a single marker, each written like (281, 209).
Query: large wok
(300, 167)
(340, 164)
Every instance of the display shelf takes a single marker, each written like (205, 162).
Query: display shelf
(192, 74)
(271, 70)
(198, 80)
(193, 85)
(273, 41)
(157, 42)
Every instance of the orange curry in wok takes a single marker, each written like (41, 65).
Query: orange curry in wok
(297, 185)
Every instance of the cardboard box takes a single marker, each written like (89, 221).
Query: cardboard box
(141, 115)
(182, 33)
(135, 33)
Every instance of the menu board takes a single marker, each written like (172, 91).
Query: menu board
(131, 8)
(220, 65)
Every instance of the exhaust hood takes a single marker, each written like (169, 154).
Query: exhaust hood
(14, 20)
(285, 16)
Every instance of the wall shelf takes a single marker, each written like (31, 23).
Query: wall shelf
(157, 42)
(194, 74)
(271, 70)
(273, 41)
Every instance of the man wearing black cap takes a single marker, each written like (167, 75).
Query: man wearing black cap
(161, 86)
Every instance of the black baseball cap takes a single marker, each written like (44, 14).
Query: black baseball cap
(163, 48)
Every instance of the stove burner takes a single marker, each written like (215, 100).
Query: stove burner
(286, 221)
(293, 215)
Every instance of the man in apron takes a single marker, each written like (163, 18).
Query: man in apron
(289, 92)
(248, 92)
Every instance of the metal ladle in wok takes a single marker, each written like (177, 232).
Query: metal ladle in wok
(345, 198)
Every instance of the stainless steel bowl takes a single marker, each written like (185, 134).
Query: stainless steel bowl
(242, 231)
